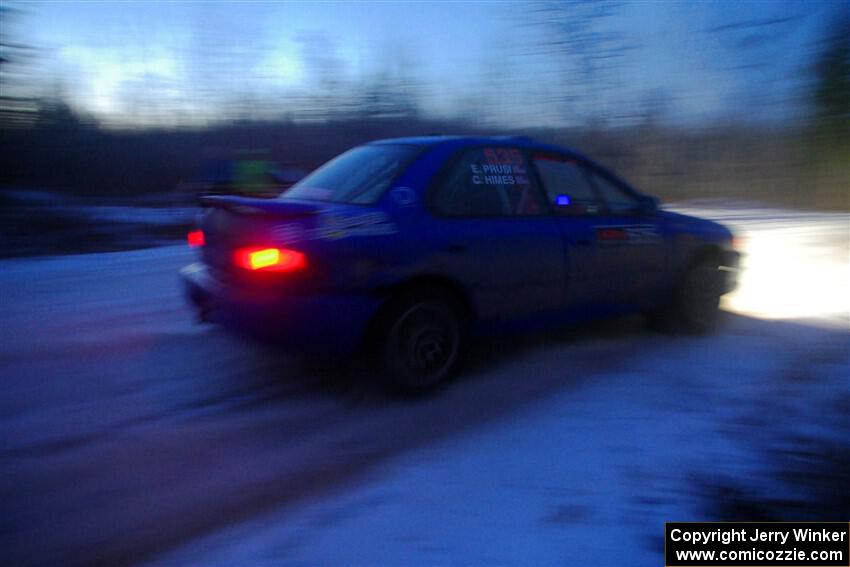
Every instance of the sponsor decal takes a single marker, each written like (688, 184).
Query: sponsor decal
(628, 234)
(610, 234)
(503, 167)
(288, 233)
(335, 226)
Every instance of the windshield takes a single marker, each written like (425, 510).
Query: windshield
(360, 175)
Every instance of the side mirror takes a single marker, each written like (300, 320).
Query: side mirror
(648, 206)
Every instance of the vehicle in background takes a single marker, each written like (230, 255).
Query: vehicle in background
(407, 248)
(251, 173)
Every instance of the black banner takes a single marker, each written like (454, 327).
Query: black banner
(757, 544)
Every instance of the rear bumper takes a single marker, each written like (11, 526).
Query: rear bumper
(328, 323)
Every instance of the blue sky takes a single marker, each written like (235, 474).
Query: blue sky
(703, 58)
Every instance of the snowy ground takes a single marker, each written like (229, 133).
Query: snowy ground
(130, 434)
(43, 222)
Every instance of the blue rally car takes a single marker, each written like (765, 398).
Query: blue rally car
(408, 247)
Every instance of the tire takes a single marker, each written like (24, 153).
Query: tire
(695, 305)
(699, 297)
(421, 342)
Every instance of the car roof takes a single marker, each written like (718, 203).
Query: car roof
(466, 141)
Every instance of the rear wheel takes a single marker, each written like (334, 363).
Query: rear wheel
(422, 342)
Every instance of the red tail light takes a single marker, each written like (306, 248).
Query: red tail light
(270, 259)
(195, 238)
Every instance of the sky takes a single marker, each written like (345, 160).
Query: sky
(694, 62)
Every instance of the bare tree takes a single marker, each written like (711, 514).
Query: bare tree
(325, 70)
(830, 113)
(17, 101)
(391, 91)
(578, 37)
(830, 98)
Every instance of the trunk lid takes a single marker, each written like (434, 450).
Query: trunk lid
(231, 222)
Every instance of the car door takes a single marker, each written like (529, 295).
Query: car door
(629, 241)
(494, 234)
(577, 210)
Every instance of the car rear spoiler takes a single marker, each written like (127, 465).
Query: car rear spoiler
(255, 206)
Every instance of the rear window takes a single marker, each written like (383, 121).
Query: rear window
(359, 176)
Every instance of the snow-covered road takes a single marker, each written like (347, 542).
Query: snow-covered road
(131, 434)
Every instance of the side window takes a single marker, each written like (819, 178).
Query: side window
(489, 182)
(567, 186)
(617, 199)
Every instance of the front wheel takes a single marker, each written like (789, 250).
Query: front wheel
(699, 297)
(422, 343)
(695, 305)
